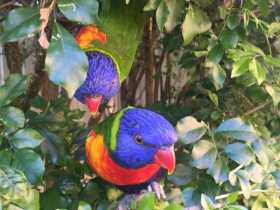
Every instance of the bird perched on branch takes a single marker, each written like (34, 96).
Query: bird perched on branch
(102, 81)
(133, 150)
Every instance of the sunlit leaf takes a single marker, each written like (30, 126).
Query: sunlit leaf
(84, 206)
(204, 154)
(189, 130)
(12, 118)
(235, 207)
(255, 172)
(30, 163)
(66, 63)
(174, 206)
(162, 14)
(206, 202)
(237, 129)
(240, 67)
(174, 15)
(147, 202)
(219, 171)
(214, 98)
(217, 74)
(258, 70)
(151, 5)
(232, 198)
(82, 11)
(274, 92)
(20, 23)
(274, 28)
(14, 188)
(272, 61)
(15, 86)
(27, 138)
(196, 22)
(240, 153)
(243, 178)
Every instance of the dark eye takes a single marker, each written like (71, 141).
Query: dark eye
(138, 139)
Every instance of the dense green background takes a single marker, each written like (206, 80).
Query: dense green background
(226, 110)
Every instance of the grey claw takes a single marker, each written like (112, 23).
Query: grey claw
(157, 189)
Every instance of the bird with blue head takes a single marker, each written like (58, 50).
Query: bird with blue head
(132, 149)
(102, 80)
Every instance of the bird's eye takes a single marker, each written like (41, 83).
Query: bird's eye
(138, 139)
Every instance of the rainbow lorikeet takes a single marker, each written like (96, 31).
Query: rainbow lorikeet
(102, 81)
(132, 149)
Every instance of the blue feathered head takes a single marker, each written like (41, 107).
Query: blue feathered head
(102, 81)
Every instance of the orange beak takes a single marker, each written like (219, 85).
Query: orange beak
(93, 104)
(166, 158)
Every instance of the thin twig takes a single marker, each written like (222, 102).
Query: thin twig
(257, 108)
(219, 197)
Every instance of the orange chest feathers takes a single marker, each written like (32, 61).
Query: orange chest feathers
(99, 160)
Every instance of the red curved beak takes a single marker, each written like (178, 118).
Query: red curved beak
(93, 103)
(166, 158)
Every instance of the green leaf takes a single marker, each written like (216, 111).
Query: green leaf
(216, 53)
(261, 152)
(12, 118)
(84, 206)
(174, 206)
(196, 22)
(240, 67)
(232, 198)
(206, 202)
(258, 70)
(66, 63)
(240, 153)
(122, 24)
(217, 74)
(235, 207)
(233, 21)
(27, 138)
(243, 178)
(272, 61)
(147, 202)
(274, 92)
(273, 28)
(276, 175)
(30, 163)
(82, 11)
(151, 5)
(161, 15)
(229, 39)
(219, 171)
(15, 86)
(189, 130)
(214, 98)
(204, 154)
(6, 157)
(15, 189)
(20, 23)
(237, 129)
(251, 49)
(174, 14)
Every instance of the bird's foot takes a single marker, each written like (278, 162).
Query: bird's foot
(157, 189)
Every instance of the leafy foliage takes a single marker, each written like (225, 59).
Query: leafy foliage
(226, 113)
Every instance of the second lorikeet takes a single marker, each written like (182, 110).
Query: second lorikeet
(132, 149)
(102, 81)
